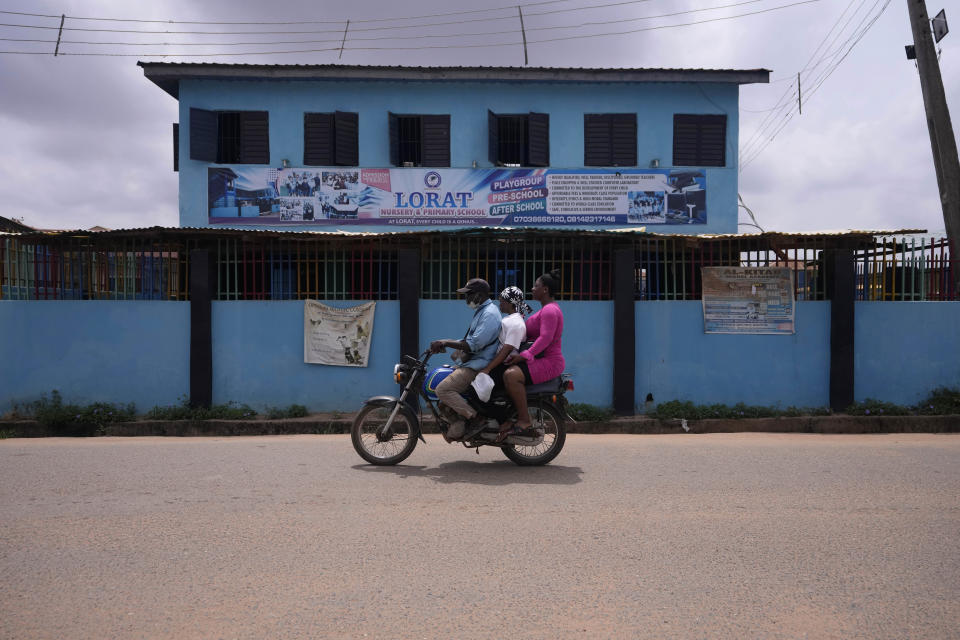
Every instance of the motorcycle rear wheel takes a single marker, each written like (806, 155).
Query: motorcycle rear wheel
(398, 444)
(544, 417)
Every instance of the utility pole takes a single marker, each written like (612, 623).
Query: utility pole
(943, 143)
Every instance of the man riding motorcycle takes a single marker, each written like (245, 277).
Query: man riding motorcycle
(477, 348)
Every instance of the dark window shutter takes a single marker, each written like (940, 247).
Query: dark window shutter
(347, 151)
(318, 139)
(203, 135)
(176, 146)
(254, 137)
(493, 140)
(435, 139)
(699, 140)
(713, 141)
(596, 140)
(623, 139)
(394, 139)
(538, 140)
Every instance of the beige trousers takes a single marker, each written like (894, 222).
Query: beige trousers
(452, 386)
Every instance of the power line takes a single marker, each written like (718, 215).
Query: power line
(457, 46)
(510, 8)
(858, 34)
(380, 38)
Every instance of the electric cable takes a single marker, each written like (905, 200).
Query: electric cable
(429, 47)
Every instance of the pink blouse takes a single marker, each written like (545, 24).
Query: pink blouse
(545, 328)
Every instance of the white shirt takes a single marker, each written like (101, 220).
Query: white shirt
(513, 331)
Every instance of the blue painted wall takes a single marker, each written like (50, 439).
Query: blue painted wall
(467, 103)
(676, 360)
(127, 351)
(94, 351)
(258, 358)
(904, 350)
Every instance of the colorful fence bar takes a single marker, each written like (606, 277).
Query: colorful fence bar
(249, 266)
(74, 270)
(906, 269)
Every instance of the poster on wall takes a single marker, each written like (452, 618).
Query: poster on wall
(335, 336)
(748, 300)
(450, 197)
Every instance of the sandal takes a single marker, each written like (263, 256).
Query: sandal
(510, 430)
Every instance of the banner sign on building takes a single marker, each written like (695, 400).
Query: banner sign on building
(336, 336)
(748, 300)
(448, 197)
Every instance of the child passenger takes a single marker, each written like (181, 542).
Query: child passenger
(513, 331)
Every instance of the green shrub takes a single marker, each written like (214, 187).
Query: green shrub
(76, 420)
(676, 409)
(582, 412)
(942, 401)
(871, 407)
(293, 411)
(183, 411)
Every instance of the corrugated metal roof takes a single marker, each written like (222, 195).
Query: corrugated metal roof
(641, 231)
(167, 75)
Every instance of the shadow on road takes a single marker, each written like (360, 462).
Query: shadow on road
(486, 473)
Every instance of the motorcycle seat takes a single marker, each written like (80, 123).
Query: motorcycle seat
(550, 386)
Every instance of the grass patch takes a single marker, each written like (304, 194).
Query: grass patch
(676, 409)
(940, 402)
(871, 407)
(183, 411)
(75, 420)
(582, 412)
(293, 411)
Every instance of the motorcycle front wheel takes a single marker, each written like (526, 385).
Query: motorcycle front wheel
(544, 417)
(383, 449)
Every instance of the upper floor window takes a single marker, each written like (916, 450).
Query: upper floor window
(331, 139)
(699, 140)
(230, 137)
(610, 139)
(420, 140)
(519, 139)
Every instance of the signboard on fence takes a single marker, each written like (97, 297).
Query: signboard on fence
(748, 300)
(336, 336)
(455, 197)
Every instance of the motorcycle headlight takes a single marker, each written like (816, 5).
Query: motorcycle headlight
(400, 374)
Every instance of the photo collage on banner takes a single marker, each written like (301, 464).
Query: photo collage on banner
(449, 197)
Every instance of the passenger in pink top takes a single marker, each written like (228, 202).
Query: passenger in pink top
(542, 361)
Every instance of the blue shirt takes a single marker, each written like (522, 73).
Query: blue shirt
(483, 336)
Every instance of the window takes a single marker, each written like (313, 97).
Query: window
(420, 140)
(520, 139)
(230, 137)
(331, 139)
(610, 139)
(699, 140)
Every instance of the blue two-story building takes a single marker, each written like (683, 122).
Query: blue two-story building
(382, 148)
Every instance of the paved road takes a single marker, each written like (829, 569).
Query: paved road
(681, 536)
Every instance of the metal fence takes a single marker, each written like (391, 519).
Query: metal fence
(253, 266)
(906, 268)
(79, 268)
(346, 268)
(669, 268)
(518, 259)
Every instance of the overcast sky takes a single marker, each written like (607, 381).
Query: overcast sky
(86, 140)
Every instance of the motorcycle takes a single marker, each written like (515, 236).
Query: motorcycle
(386, 430)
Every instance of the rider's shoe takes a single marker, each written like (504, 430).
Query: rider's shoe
(455, 430)
(474, 426)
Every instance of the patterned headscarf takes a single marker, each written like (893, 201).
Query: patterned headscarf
(515, 296)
